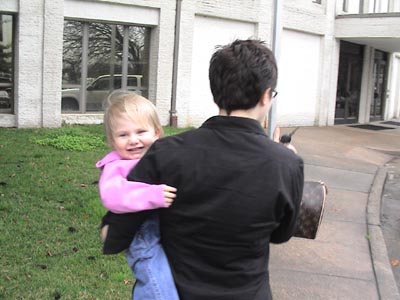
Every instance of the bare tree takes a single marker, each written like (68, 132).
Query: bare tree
(105, 48)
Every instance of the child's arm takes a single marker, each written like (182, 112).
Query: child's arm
(122, 196)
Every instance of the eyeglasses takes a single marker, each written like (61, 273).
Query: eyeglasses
(274, 94)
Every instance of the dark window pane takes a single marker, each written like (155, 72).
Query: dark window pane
(379, 78)
(349, 82)
(104, 61)
(72, 63)
(6, 63)
(132, 81)
(139, 49)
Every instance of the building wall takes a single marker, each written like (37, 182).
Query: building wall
(308, 64)
(38, 53)
(52, 62)
(308, 60)
(158, 14)
(299, 78)
(38, 58)
(205, 25)
(308, 53)
(30, 68)
(224, 31)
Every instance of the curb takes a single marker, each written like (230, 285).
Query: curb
(387, 287)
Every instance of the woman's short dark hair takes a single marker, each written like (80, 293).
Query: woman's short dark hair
(240, 73)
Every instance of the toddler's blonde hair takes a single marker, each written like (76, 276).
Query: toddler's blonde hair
(136, 107)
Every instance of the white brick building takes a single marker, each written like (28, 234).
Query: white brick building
(337, 58)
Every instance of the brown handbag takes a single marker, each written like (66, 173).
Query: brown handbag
(311, 209)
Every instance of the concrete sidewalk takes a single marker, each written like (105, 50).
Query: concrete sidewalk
(348, 259)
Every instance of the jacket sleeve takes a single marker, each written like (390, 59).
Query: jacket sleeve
(122, 196)
(122, 229)
(291, 190)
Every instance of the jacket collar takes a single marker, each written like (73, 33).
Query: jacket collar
(234, 123)
(112, 156)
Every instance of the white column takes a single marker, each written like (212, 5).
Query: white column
(394, 6)
(366, 86)
(276, 44)
(330, 55)
(396, 92)
(368, 6)
(52, 62)
(393, 88)
(29, 58)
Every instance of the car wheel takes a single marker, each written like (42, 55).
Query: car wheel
(69, 104)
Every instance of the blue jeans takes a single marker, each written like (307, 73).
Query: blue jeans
(149, 264)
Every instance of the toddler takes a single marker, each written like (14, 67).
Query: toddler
(132, 125)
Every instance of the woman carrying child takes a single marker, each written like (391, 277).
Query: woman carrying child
(132, 125)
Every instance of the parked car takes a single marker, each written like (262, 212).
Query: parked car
(4, 99)
(5, 90)
(98, 91)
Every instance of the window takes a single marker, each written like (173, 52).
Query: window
(99, 58)
(380, 85)
(349, 83)
(6, 63)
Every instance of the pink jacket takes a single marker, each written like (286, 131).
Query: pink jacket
(122, 196)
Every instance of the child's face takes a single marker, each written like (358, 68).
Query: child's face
(132, 139)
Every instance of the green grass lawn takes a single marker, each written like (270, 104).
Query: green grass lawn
(50, 213)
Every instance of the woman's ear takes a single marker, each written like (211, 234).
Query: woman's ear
(264, 105)
(266, 97)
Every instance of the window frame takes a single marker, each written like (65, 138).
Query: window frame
(9, 88)
(82, 99)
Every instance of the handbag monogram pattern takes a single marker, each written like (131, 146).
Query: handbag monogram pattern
(311, 209)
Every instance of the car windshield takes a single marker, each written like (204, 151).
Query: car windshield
(104, 83)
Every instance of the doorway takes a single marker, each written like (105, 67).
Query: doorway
(379, 80)
(349, 83)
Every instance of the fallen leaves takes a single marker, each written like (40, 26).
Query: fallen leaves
(395, 262)
(72, 229)
(42, 266)
(57, 295)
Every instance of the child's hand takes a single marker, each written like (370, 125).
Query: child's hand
(276, 134)
(169, 194)
(103, 233)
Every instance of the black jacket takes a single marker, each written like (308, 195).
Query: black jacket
(237, 192)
